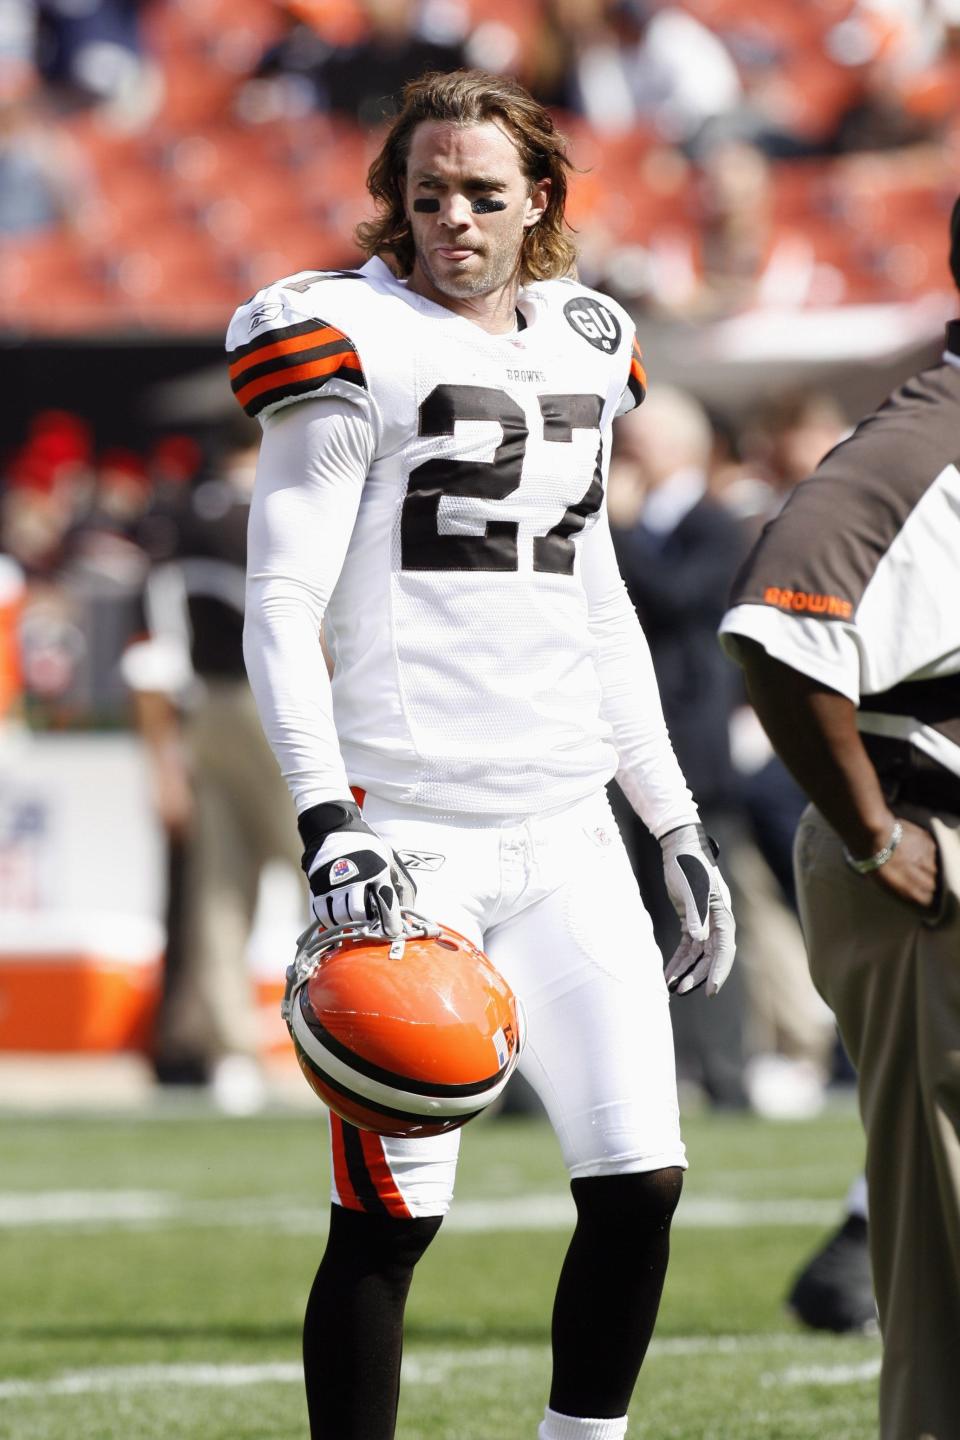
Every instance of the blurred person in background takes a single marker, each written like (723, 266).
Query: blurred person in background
(624, 63)
(793, 1034)
(397, 40)
(844, 619)
(679, 546)
(678, 550)
(217, 790)
(91, 53)
(45, 186)
(741, 257)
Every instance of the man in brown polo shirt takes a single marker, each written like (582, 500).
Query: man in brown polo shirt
(846, 620)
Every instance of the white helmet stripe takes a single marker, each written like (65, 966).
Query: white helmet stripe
(390, 1096)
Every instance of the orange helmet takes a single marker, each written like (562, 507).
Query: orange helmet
(407, 1037)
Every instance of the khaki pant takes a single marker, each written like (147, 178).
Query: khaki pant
(893, 982)
(243, 818)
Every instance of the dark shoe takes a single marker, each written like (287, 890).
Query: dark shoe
(834, 1290)
(186, 1071)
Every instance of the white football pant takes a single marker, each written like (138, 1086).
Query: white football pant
(553, 902)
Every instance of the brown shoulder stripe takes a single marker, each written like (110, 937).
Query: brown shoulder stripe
(637, 379)
(270, 337)
(293, 361)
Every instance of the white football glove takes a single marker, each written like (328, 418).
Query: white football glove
(702, 901)
(355, 877)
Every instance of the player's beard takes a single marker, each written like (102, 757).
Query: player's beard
(501, 264)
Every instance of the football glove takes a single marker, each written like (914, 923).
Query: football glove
(355, 877)
(702, 901)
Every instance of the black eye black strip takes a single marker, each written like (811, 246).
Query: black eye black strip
(486, 206)
(427, 207)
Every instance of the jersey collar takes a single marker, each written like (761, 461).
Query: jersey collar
(375, 269)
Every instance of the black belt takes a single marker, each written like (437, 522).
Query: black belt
(909, 775)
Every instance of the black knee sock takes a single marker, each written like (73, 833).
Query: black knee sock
(609, 1289)
(353, 1329)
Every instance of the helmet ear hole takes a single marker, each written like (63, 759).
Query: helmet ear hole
(410, 1046)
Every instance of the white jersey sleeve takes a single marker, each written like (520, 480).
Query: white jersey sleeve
(313, 463)
(648, 771)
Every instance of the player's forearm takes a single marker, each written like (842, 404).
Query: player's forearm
(288, 677)
(814, 731)
(649, 773)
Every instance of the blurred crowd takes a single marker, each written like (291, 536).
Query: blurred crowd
(161, 158)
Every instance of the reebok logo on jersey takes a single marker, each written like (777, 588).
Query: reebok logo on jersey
(600, 836)
(268, 311)
(420, 859)
(594, 322)
(341, 870)
(801, 601)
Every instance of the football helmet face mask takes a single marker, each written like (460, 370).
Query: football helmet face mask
(406, 1037)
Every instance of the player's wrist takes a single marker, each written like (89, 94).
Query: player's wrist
(866, 864)
(319, 821)
(692, 832)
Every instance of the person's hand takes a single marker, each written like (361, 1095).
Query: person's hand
(171, 788)
(702, 901)
(354, 876)
(912, 870)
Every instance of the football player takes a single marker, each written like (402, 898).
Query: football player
(437, 429)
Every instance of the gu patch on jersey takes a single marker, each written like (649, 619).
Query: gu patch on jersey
(341, 870)
(593, 322)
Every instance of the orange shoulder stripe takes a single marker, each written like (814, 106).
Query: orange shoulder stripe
(322, 335)
(348, 360)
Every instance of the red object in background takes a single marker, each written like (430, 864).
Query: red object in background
(174, 460)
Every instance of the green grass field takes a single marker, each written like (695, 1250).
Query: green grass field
(153, 1272)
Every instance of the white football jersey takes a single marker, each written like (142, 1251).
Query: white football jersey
(465, 674)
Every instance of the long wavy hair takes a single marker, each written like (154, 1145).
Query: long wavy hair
(471, 97)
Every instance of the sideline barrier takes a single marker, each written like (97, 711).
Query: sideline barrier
(81, 902)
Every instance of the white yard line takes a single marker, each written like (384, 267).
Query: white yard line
(868, 1370)
(429, 1367)
(159, 1209)
(108, 1378)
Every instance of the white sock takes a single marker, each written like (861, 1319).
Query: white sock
(857, 1198)
(570, 1427)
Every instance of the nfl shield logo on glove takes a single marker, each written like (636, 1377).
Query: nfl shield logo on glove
(342, 869)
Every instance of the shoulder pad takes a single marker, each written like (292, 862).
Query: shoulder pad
(281, 348)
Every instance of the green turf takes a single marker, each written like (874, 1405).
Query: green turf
(221, 1223)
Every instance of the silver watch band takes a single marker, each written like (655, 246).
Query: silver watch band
(873, 862)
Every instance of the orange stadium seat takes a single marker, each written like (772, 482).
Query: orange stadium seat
(47, 284)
